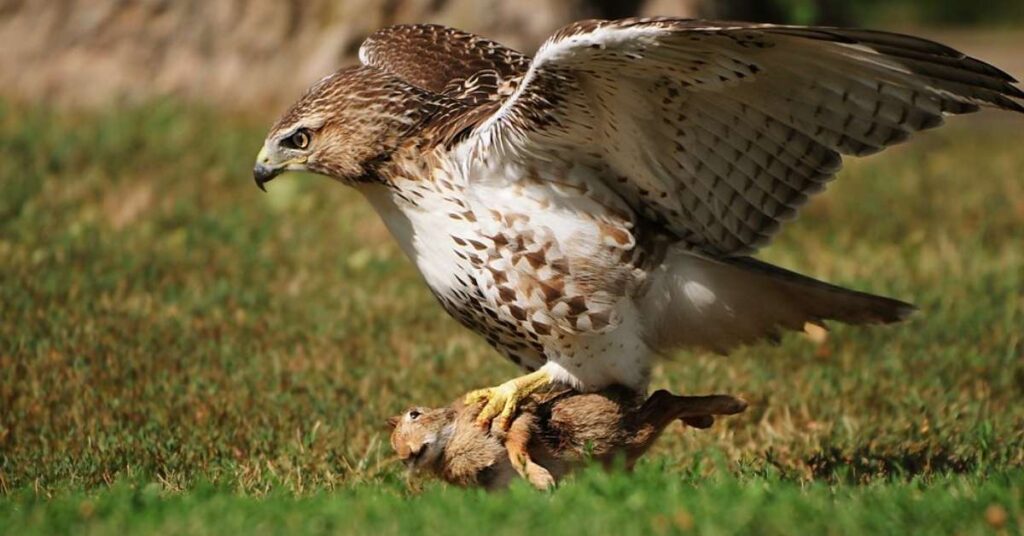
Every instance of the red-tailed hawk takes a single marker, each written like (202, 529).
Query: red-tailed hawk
(591, 207)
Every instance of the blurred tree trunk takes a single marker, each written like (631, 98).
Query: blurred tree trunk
(827, 12)
(253, 54)
(615, 9)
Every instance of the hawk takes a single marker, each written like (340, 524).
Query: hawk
(598, 204)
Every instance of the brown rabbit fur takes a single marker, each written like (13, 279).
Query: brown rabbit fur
(552, 434)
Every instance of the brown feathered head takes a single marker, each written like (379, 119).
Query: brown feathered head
(346, 126)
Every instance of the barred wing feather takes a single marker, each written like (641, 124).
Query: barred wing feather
(721, 131)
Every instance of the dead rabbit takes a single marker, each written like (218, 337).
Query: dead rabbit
(552, 434)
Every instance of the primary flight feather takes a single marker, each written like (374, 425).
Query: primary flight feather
(591, 207)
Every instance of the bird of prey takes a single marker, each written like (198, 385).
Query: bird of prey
(598, 204)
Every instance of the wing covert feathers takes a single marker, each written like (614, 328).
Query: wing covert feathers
(443, 60)
(716, 131)
(721, 131)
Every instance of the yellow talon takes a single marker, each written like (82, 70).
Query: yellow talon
(503, 400)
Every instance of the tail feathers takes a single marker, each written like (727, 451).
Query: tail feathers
(719, 304)
(831, 302)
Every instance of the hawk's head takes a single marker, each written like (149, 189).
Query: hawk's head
(346, 126)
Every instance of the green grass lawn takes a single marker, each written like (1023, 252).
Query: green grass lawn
(655, 500)
(179, 351)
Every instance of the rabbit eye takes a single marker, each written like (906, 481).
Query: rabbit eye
(413, 414)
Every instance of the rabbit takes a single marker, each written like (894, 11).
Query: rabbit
(552, 434)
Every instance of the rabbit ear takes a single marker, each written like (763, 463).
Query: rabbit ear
(393, 421)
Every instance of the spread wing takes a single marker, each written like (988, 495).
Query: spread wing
(446, 61)
(720, 131)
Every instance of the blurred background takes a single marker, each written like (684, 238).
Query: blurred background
(164, 320)
(250, 53)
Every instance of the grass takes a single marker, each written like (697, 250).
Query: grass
(181, 352)
(647, 503)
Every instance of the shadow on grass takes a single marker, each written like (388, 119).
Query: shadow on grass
(865, 464)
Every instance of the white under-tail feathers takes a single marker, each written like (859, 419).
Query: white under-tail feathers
(719, 304)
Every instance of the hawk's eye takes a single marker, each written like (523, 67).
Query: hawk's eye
(299, 140)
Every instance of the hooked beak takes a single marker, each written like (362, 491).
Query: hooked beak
(267, 168)
(262, 174)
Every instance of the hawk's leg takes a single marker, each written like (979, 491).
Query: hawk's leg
(504, 399)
